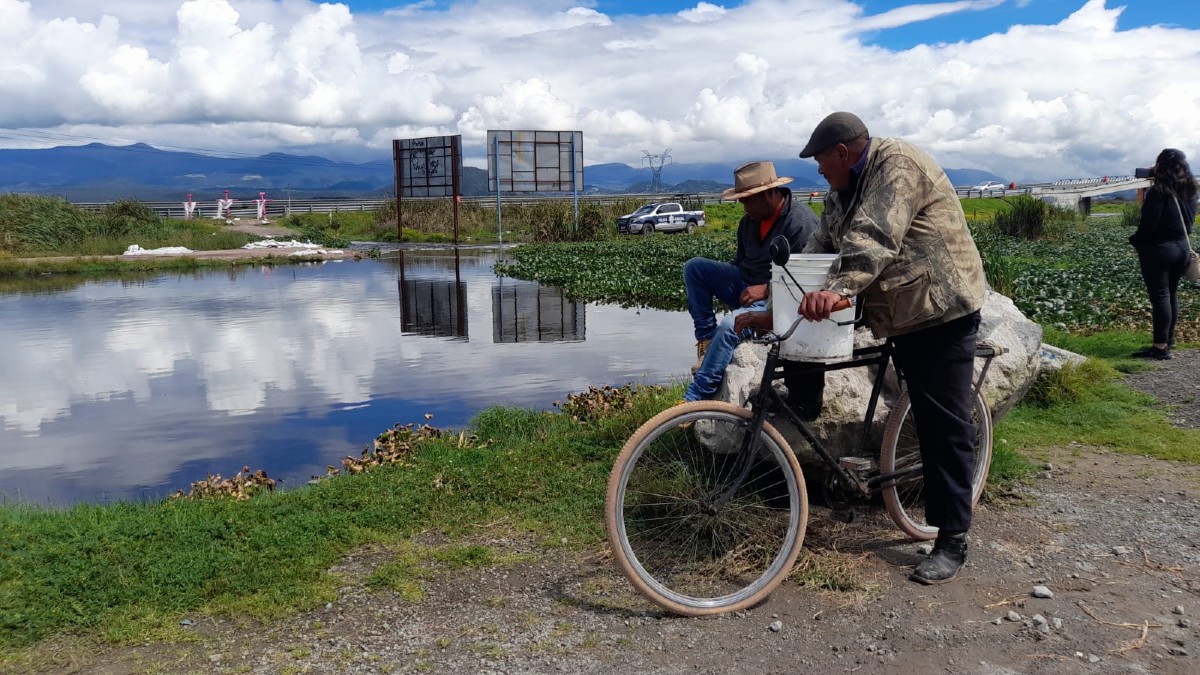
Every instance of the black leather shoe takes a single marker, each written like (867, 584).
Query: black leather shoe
(942, 565)
(1153, 353)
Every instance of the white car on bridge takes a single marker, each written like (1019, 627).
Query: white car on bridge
(989, 186)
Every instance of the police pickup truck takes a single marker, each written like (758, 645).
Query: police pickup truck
(663, 217)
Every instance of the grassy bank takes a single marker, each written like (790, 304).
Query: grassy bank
(35, 226)
(125, 572)
(128, 573)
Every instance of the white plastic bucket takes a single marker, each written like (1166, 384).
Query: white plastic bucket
(823, 341)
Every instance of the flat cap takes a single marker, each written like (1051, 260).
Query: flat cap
(838, 127)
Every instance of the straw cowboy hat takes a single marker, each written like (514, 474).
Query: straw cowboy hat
(753, 178)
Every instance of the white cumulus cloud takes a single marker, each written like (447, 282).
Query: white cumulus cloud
(1083, 96)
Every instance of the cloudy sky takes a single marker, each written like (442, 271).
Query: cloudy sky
(1029, 89)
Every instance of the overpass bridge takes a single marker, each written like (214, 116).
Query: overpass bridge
(1078, 193)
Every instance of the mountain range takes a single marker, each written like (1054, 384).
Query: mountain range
(101, 173)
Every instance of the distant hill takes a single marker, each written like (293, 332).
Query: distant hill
(99, 173)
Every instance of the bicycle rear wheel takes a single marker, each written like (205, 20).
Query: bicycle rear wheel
(905, 498)
(678, 535)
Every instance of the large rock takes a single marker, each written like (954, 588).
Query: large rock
(848, 391)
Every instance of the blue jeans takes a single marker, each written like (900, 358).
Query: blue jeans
(708, 378)
(704, 280)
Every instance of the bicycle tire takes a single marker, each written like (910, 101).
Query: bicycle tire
(904, 499)
(683, 554)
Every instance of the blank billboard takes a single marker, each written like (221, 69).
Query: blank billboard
(428, 167)
(535, 161)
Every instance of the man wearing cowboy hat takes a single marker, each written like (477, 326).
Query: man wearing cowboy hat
(904, 251)
(743, 284)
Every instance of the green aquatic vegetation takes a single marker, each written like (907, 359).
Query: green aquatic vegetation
(633, 271)
(1081, 283)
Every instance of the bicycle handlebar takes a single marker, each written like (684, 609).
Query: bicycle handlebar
(844, 303)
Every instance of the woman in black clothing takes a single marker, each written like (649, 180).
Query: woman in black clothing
(1162, 246)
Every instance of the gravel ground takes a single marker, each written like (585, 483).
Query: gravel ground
(1112, 540)
(1176, 384)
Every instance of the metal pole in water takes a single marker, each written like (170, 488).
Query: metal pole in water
(574, 183)
(499, 218)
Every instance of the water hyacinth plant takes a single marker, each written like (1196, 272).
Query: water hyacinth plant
(1082, 280)
(634, 271)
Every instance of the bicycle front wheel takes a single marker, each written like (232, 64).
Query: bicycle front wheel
(905, 498)
(686, 529)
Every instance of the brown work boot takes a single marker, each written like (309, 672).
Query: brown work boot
(701, 348)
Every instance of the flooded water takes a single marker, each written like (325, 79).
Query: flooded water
(128, 391)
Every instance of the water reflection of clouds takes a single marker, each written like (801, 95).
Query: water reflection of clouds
(240, 349)
(118, 388)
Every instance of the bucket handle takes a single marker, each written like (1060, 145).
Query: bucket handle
(847, 302)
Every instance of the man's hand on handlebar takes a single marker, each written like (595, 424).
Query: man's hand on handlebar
(818, 305)
(753, 294)
(759, 321)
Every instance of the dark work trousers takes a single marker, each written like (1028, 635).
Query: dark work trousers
(938, 365)
(1162, 267)
(806, 390)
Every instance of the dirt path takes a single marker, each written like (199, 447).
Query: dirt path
(1115, 538)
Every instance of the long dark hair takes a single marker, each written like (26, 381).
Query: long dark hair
(1172, 174)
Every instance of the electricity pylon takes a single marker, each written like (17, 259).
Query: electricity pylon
(656, 163)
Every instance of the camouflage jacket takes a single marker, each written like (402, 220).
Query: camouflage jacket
(904, 250)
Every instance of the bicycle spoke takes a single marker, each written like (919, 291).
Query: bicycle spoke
(688, 532)
(901, 451)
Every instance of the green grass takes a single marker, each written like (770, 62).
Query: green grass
(125, 571)
(40, 276)
(1088, 405)
(984, 209)
(33, 226)
(433, 221)
(1108, 415)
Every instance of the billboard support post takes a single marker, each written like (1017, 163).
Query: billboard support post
(398, 172)
(456, 181)
(574, 184)
(499, 217)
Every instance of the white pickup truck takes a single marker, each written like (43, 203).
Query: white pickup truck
(661, 217)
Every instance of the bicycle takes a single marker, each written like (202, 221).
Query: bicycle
(707, 507)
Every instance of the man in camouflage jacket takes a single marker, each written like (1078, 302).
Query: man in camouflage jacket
(905, 253)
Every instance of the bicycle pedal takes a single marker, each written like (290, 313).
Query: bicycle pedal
(843, 515)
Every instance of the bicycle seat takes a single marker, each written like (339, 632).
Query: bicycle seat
(987, 349)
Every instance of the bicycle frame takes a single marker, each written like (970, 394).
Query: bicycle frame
(766, 399)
